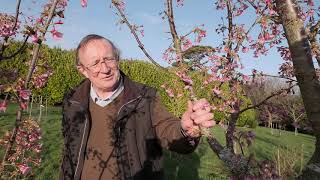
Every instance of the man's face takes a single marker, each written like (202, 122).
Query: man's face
(99, 65)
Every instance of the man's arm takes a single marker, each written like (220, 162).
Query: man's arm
(169, 131)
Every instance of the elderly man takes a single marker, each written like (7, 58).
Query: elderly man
(115, 128)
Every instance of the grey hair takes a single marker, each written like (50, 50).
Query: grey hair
(92, 37)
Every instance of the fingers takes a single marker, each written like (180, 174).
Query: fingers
(202, 118)
(201, 104)
(200, 112)
(208, 124)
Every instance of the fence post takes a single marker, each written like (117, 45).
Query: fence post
(40, 106)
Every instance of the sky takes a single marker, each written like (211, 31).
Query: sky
(99, 18)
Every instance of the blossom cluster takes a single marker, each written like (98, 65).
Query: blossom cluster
(26, 152)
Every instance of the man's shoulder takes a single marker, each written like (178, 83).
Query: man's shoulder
(76, 90)
(139, 87)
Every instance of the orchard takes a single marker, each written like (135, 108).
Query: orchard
(199, 70)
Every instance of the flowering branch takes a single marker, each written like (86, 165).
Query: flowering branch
(31, 69)
(140, 45)
(267, 98)
(4, 44)
(175, 37)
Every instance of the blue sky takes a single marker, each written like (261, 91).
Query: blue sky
(100, 19)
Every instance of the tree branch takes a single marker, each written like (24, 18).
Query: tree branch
(22, 48)
(236, 163)
(267, 98)
(313, 40)
(140, 45)
(4, 44)
(175, 37)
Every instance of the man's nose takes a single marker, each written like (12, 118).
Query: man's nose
(104, 67)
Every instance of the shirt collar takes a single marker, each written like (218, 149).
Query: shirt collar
(104, 102)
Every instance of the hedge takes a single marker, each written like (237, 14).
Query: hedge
(66, 76)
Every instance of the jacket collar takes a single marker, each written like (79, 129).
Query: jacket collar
(81, 93)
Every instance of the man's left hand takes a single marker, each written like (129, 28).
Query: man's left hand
(198, 114)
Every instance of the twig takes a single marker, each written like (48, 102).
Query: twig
(22, 48)
(267, 98)
(141, 46)
(4, 46)
(175, 37)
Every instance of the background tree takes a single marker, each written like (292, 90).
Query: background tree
(26, 132)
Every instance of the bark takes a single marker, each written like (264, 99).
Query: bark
(231, 129)
(237, 164)
(305, 73)
(175, 37)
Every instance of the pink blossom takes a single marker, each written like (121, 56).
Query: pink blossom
(142, 32)
(120, 4)
(35, 38)
(216, 90)
(23, 105)
(55, 34)
(221, 124)
(25, 94)
(221, 4)
(84, 3)
(3, 106)
(310, 2)
(38, 148)
(59, 22)
(167, 55)
(41, 80)
(285, 53)
(186, 79)
(213, 57)
(24, 168)
(186, 44)
(201, 34)
(272, 12)
(170, 92)
(245, 49)
(40, 20)
(62, 3)
(267, 1)
(245, 78)
(180, 2)
(226, 49)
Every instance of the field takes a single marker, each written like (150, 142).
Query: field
(287, 148)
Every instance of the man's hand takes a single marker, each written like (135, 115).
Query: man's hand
(198, 114)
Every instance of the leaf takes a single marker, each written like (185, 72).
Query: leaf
(8, 89)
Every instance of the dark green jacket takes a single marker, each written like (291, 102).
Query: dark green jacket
(142, 128)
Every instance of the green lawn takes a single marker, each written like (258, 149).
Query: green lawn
(202, 164)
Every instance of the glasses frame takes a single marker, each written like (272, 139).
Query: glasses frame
(96, 66)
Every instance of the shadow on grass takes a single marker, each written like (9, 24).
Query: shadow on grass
(181, 167)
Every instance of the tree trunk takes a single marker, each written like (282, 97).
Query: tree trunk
(237, 164)
(305, 73)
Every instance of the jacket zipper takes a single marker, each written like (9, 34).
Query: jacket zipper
(128, 103)
(81, 145)
(119, 130)
(80, 150)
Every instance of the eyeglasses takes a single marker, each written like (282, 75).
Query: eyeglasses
(95, 67)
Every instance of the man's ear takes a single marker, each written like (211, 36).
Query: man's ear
(82, 71)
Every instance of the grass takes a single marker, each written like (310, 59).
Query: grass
(202, 164)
